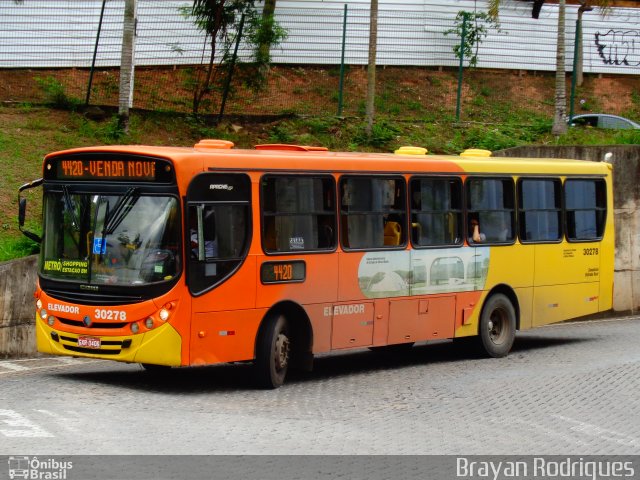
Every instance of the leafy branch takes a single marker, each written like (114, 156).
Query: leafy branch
(473, 26)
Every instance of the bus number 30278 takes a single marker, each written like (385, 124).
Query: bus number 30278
(102, 314)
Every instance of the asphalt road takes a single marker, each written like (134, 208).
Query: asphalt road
(570, 389)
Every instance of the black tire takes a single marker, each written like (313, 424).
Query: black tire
(273, 352)
(497, 326)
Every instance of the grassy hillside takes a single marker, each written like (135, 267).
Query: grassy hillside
(516, 116)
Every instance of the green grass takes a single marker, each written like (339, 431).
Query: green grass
(29, 132)
(11, 248)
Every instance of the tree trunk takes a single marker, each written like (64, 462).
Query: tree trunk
(267, 19)
(127, 63)
(204, 87)
(560, 116)
(371, 68)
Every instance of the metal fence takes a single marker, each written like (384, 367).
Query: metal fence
(47, 47)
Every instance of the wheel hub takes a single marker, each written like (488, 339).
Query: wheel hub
(282, 351)
(495, 326)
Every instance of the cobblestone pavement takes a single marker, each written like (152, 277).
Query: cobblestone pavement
(565, 389)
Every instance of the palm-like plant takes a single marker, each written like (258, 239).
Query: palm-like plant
(214, 17)
(560, 115)
(560, 112)
(371, 68)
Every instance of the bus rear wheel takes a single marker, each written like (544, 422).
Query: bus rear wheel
(273, 352)
(497, 326)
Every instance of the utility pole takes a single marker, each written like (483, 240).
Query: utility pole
(127, 65)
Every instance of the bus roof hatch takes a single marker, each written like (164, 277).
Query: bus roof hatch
(214, 143)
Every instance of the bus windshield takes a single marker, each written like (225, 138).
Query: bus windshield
(110, 239)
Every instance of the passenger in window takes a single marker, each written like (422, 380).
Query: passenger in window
(393, 230)
(325, 233)
(210, 245)
(475, 235)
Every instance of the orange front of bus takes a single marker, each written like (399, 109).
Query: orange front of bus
(111, 263)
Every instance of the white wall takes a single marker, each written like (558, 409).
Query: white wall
(61, 33)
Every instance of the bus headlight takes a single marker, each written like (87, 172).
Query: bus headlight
(164, 314)
(39, 304)
(135, 327)
(51, 320)
(149, 323)
(43, 314)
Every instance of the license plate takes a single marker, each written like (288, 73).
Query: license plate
(89, 342)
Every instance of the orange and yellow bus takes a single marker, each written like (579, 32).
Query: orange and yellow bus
(191, 256)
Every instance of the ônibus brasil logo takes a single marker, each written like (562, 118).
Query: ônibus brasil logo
(33, 468)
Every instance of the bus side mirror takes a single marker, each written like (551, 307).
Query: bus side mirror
(22, 211)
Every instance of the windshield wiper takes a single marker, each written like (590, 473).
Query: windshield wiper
(120, 211)
(103, 240)
(68, 203)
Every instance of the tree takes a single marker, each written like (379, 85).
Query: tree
(214, 17)
(267, 26)
(560, 100)
(371, 67)
(260, 33)
(127, 64)
(585, 6)
(560, 113)
(474, 25)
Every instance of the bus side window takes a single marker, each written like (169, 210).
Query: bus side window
(298, 213)
(218, 228)
(540, 209)
(491, 202)
(373, 212)
(436, 211)
(203, 242)
(585, 209)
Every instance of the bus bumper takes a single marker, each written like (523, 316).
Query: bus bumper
(161, 346)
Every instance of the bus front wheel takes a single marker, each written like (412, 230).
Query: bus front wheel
(273, 352)
(497, 326)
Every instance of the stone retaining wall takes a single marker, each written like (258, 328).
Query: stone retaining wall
(17, 307)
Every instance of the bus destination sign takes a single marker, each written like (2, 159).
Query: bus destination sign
(83, 169)
(283, 272)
